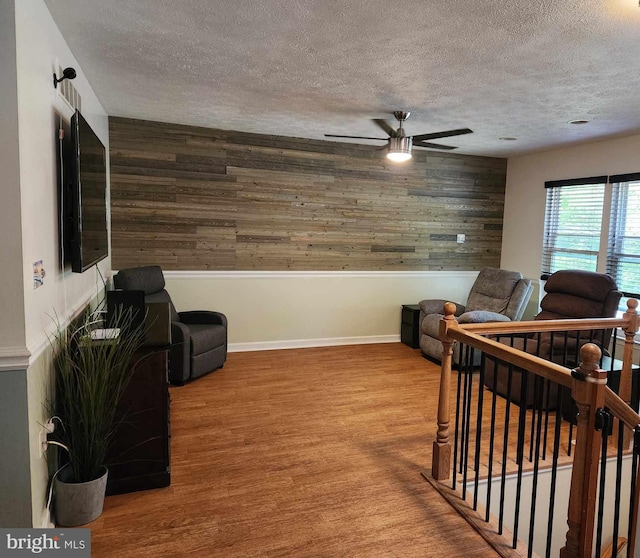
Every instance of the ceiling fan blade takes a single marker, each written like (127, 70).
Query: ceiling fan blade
(433, 145)
(353, 137)
(385, 126)
(446, 134)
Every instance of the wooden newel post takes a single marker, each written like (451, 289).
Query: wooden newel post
(441, 464)
(588, 391)
(627, 354)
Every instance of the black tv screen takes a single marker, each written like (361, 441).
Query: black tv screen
(86, 237)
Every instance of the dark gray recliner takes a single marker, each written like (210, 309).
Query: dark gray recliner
(497, 295)
(198, 337)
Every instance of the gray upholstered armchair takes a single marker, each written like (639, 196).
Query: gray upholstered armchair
(497, 295)
(198, 338)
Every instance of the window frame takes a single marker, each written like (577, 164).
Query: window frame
(606, 262)
(551, 221)
(619, 191)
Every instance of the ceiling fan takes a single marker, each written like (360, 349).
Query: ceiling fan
(400, 144)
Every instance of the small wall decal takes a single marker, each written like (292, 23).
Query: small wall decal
(38, 274)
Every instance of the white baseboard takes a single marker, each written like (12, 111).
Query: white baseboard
(306, 343)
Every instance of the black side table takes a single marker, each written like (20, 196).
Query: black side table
(410, 325)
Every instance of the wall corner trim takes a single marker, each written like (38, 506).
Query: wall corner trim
(14, 358)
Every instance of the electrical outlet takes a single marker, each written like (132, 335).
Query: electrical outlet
(42, 439)
(460, 238)
(47, 428)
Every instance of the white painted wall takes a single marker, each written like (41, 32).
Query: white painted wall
(525, 193)
(12, 335)
(270, 310)
(38, 47)
(15, 473)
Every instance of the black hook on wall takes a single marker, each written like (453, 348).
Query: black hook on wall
(67, 73)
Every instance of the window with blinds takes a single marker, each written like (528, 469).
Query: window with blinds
(623, 253)
(573, 221)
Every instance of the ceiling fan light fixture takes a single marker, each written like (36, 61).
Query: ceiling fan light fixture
(399, 145)
(400, 149)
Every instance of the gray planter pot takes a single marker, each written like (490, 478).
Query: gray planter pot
(78, 503)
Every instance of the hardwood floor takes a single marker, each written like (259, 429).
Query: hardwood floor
(302, 453)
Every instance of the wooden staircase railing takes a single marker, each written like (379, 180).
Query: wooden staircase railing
(587, 384)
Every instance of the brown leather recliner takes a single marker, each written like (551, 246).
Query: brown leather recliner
(570, 294)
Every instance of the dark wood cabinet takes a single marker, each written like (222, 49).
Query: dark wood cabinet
(140, 455)
(410, 326)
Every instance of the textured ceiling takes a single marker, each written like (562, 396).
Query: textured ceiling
(303, 68)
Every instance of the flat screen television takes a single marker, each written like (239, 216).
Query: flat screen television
(84, 196)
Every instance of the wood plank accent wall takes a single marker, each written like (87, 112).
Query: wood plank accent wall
(189, 198)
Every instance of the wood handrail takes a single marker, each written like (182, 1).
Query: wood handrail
(535, 326)
(620, 409)
(470, 334)
(539, 366)
(588, 389)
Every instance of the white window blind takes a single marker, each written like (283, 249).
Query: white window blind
(572, 224)
(623, 254)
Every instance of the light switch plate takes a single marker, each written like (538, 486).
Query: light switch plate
(460, 238)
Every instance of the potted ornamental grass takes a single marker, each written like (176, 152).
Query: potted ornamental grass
(90, 378)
